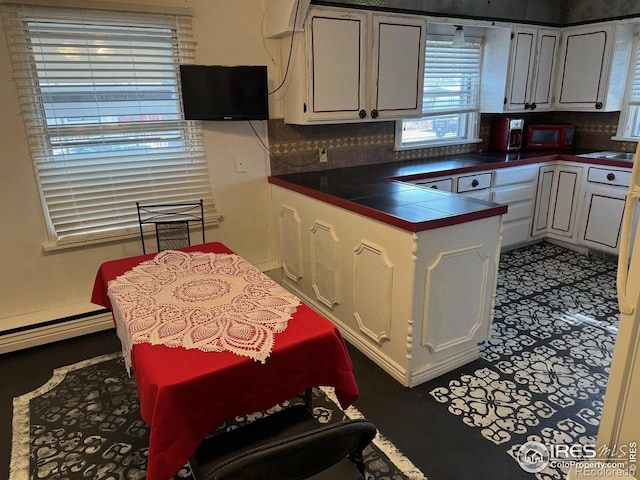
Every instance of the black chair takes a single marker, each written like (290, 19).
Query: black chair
(171, 222)
(287, 445)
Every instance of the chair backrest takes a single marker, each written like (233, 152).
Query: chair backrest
(171, 222)
(300, 456)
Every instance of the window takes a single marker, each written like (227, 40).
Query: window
(450, 101)
(100, 97)
(629, 123)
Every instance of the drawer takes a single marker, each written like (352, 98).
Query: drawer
(519, 211)
(514, 193)
(445, 184)
(609, 176)
(515, 233)
(483, 194)
(510, 175)
(474, 182)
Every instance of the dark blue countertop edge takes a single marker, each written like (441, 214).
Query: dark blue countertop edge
(381, 191)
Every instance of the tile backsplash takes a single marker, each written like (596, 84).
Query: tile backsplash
(295, 147)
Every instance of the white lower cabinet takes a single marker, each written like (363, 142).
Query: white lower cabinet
(513, 186)
(516, 187)
(565, 196)
(416, 303)
(546, 177)
(557, 201)
(603, 208)
(581, 206)
(602, 218)
(565, 201)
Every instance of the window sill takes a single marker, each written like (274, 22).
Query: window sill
(111, 237)
(444, 143)
(619, 138)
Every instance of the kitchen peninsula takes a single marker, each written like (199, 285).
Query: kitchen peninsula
(408, 273)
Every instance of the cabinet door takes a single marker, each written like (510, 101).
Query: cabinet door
(546, 50)
(583, 67)
(564, 201)
(337, 65)
(546, 177)
(521, 69)
(397, 66)
(602, 217)
(532, 69)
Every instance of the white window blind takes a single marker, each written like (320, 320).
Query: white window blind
(634, 94)
(451, 76)
(100, 97)
(629, 126)
(451, 96)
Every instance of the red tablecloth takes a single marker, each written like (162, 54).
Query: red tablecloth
(185, 394)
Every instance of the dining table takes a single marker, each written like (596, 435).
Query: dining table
(189, 388)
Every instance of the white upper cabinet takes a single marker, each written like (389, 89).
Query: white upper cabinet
(532, 68)
(518, 69)
(593, 65)
(336, 65)
(397, 66)
(356, 66)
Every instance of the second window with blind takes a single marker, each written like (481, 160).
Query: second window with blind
(450, 102)
(629, 123)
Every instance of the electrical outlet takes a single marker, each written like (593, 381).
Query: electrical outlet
(322, 154)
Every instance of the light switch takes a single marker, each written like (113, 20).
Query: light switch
(241, 166)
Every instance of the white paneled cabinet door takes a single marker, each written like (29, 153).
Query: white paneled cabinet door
(548, 42)
(521, 72)
(546, 180)
(397, 66)
(356, 66)
(584, 58)
(564, 201)
(337, 64)
(602, 218)
(532, 69)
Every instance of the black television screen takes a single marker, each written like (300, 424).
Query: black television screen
(220, 92)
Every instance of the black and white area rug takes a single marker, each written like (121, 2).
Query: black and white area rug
(546, 366)
(85, 424)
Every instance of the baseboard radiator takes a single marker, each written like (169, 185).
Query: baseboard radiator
(55, 330)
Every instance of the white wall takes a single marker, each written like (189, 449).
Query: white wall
(36, 286)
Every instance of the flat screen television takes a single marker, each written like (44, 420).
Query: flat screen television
(221, 92)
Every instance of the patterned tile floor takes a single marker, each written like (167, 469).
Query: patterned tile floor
(541, 376)
(548, 360)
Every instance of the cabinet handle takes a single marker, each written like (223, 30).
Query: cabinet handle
(434, 187)
(527, 106)
(598, 105)
(374, 113)
(611, 177)
(533, 106)
(475, 183)
(362, 113)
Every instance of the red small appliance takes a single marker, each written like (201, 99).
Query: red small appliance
(550, 136)
(506, 134)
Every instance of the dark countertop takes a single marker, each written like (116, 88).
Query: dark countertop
(381, 192)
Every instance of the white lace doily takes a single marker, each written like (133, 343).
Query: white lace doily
(212, 302)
